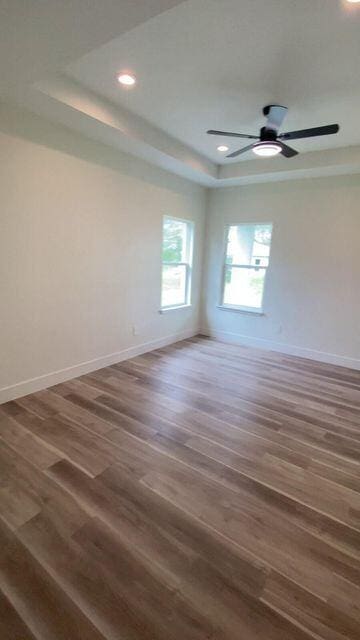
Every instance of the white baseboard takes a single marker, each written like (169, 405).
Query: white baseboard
(49, 379)
(289, 349)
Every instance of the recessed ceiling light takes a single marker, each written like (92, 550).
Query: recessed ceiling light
(222, 148)
(353, 1)
(126, 79)
(267, 149)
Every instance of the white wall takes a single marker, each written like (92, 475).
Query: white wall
(80, 252)
(312, 296)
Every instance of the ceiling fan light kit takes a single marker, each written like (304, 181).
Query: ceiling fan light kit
(266, 149)
(270, 141)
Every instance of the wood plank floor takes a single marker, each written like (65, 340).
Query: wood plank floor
(201, 491)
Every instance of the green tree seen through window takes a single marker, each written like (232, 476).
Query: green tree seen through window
(173, 241)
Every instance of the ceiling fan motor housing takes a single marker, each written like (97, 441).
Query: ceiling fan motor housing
(267, 135)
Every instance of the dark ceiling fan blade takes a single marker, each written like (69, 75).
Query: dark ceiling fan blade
(287, 151)
(213, 132)
(275, 116)
(309, 133)
(240, 151)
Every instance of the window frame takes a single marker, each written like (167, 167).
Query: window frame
(190, 231)
(242, 308)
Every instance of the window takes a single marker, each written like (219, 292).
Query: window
(176, 262)
(246, 261)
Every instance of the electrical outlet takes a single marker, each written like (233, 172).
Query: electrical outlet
(135, 330)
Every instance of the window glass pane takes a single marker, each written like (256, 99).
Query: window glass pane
(175, 241)
(173, 285)
(249, 244)
(244, 287)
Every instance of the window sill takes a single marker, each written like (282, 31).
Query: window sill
(181, 306)
(247, 312)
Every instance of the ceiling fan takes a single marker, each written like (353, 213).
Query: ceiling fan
(270, 141)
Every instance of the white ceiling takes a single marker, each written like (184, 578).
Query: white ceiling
(38, 37)
(200, 64)
(215, 64)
